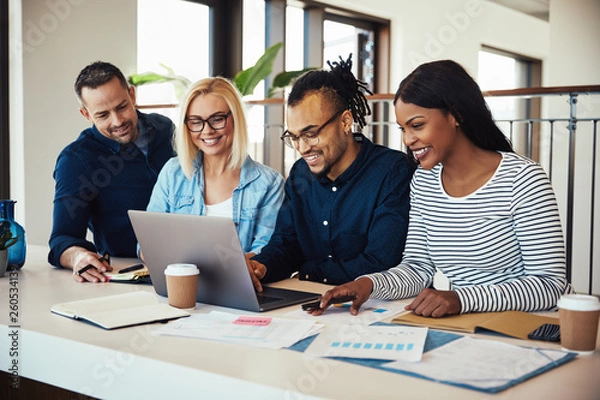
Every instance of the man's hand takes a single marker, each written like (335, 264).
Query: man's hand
(257, 271)
(435, 303)
(77, 258)
(360, 289)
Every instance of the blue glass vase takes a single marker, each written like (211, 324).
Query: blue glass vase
(12, 235)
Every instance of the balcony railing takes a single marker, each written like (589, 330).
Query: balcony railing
(557, 127)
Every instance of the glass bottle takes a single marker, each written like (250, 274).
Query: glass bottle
(17, 250)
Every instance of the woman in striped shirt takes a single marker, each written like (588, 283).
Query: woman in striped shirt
(481, 214)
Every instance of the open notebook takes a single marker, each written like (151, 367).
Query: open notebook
(120, 310)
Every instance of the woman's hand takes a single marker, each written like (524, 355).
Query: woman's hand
(435, 303)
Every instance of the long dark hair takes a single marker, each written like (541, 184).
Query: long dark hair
(445, 85)
(339, 86)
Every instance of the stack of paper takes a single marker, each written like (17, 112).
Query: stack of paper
(479, 364)
(267, 332)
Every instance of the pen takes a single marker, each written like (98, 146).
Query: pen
(134, 267)
(87, 267)
(104, 258)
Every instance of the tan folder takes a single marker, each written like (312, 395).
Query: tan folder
(517, 324)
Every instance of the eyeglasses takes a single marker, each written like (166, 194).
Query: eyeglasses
(216, 122)
(310, 137)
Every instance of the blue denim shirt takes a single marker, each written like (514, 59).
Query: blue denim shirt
(255, 200)
(333, 232)
(98, 180)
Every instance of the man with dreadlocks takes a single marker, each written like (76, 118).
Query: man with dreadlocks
(345, 211)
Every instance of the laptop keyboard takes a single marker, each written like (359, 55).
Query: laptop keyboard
(262, 299)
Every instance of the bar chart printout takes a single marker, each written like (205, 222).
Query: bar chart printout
(373, 342)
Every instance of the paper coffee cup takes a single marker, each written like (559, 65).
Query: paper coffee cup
(182, 284)
(578, 315)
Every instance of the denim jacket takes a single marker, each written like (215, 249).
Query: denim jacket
(256, 200)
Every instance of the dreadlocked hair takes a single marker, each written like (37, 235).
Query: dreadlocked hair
(339, 86)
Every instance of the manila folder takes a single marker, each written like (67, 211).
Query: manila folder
(511, 323)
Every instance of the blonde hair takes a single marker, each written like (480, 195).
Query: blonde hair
(187, 150)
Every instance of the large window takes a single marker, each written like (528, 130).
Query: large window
(500, 70)
(173, 38)
(341, 40)
(199, 38)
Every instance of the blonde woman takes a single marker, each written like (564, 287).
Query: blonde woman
(213, 173)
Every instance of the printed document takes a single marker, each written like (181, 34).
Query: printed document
(260, 331)
(372, 342)
(480, 363)
(371, 311)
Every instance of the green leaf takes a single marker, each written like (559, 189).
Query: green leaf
(284, 79)
(179, 82)
(148, 77)
(247, 80)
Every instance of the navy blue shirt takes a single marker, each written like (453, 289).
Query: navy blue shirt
(98, 180)
(333, 232)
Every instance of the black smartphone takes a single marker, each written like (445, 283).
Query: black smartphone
(547, 332)
(336, 300)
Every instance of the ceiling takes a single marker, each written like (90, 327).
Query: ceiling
(536, 8)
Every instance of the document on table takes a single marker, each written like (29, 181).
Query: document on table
(267, 332)
(371, 311)
(372, 342)
(481, 364)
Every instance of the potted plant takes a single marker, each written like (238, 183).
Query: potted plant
(6, 240)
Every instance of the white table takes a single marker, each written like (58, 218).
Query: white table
(131, 363)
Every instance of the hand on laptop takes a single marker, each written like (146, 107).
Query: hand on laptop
(257, 271)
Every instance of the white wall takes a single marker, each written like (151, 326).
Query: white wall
(452, 29)
(574, 59)
(59, 38)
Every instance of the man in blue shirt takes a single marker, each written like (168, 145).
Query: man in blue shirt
(111, 168)
(345, 211)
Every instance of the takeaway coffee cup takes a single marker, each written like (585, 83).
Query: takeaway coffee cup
(182, 284)
(578, 315)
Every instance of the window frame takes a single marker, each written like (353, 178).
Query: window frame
(4, 103)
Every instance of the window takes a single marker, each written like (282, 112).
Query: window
(341, 40)
(199, 38)
(172, 34)
(500, 70)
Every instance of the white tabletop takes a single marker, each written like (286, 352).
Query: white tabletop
(132, 363)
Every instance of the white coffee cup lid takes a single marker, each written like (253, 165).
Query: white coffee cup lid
(181, 269)
(579, 302)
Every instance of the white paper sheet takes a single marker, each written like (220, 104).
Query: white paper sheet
(373, 342)
(220, 326)
(479, 363)
(371, 311)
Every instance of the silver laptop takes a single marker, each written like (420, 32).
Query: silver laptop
(213, 245)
